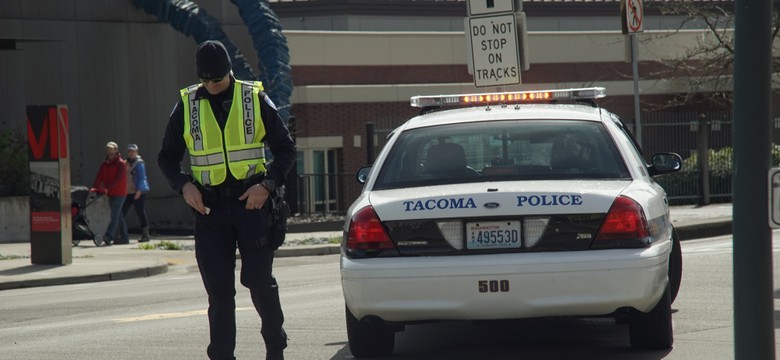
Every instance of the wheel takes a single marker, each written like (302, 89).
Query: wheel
(370, 337)
(652, 330)
(675, 266)
(75, 242)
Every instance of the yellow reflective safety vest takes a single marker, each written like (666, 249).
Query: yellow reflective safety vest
(240, 143)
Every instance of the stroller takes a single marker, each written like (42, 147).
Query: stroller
(81, 199)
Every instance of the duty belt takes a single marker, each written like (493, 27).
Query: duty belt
(226, 191)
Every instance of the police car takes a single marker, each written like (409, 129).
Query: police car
(509, 206)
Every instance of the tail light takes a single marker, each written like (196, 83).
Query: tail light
(625, 226)
(366, 235)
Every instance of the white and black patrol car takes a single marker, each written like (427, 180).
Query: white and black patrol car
(514, 205)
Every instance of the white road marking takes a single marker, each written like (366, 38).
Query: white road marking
(174, 315)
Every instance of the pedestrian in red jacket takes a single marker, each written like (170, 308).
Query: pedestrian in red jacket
(112, 181)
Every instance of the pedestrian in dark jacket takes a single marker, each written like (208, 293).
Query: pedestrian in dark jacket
(224, 123)
(111, 180)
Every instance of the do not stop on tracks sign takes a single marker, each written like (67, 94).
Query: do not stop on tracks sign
(494, 49)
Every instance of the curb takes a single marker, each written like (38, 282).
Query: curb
(315, 227)
(81, 279)
(308, 250)
(704, 230)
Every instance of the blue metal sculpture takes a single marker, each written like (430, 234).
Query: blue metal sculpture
(272, 50)
(267, 38)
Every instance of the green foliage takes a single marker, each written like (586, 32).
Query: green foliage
(720, 162)
(162, 245)
(14, 169)
(684, 185)
(12, 257)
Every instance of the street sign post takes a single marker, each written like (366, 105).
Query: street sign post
(494, 49)
(632, 18)
(483, 7)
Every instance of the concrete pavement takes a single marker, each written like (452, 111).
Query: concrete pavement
(117, 262)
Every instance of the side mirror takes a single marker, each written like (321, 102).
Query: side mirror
(665, 163)
(362, 174)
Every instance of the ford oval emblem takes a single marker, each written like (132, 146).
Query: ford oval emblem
(491, 205)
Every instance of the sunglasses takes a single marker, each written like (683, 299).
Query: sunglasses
(206, 81)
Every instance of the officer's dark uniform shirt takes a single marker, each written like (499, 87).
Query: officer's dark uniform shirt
(277, 137)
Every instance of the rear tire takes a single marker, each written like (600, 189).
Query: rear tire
(370, 337)
(675, 266)
(652, 330)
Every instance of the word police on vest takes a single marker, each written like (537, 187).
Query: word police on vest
(248, 111)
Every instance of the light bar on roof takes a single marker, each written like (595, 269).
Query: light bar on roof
(509, 97)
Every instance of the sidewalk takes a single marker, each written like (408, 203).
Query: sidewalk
(117, 262)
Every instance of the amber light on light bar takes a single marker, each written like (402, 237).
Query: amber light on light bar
(508, 97)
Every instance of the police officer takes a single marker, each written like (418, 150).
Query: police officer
(223, 123)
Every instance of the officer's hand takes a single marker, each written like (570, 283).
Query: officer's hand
(193, 197)
(256, 196)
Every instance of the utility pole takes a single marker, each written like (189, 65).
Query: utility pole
(703, 156)
(754, 328)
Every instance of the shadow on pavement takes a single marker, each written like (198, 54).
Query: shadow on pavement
(27, 269)
(554, 338)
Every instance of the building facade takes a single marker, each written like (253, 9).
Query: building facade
(354, 62)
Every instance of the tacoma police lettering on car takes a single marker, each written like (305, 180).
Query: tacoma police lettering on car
(549, 200)
(441, 204)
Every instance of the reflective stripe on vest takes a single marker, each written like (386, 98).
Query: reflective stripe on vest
(241, 137)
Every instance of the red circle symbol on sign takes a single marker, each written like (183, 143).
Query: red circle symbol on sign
(634, 15)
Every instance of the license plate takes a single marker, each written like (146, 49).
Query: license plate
(493, 235)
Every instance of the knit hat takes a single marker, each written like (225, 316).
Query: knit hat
(111, 144)
(212, 60)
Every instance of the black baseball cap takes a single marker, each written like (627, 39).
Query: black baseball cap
(212, 60)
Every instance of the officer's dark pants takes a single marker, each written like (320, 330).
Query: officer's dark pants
(216, 236)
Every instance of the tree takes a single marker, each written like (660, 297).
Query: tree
(14, 172)
(706, 69)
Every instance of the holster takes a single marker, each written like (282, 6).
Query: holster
(277, 222)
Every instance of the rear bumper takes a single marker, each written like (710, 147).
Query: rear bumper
(581, 283)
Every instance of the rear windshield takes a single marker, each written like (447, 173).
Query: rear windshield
(501, 151)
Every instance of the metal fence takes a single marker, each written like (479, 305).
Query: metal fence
(680, 132)
(677, 132)
(326, 193)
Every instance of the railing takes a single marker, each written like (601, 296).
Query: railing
(678, 132)
(326, 193)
